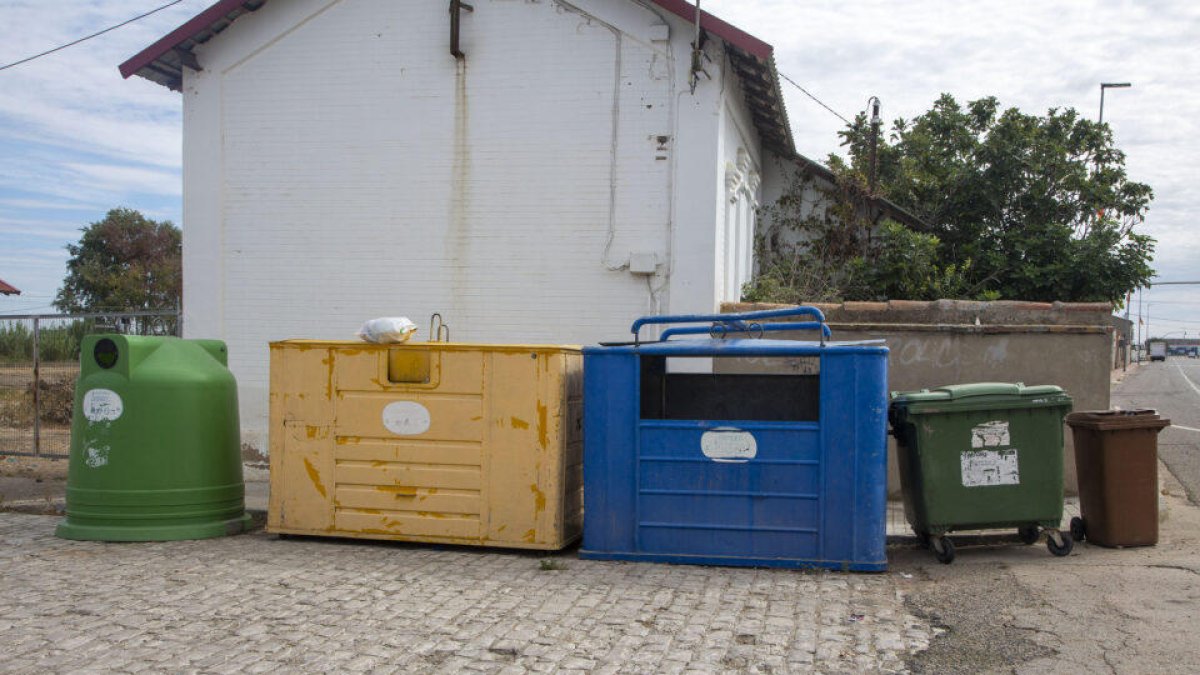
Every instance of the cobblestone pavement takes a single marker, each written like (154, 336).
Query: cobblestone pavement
(256, 603)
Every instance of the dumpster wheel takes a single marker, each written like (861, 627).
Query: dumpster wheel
(1028, 534)
(943, 549)
(1078, 529)
(1053, 537)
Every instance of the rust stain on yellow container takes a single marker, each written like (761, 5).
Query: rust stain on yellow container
(427, 442)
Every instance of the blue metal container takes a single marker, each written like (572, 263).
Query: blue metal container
(722, 468)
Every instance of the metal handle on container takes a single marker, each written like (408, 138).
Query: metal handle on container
(438, 328)
(744, 322)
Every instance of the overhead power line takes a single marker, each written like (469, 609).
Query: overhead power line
(819, 101)
(89, 37)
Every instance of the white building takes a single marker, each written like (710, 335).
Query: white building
(569, 171)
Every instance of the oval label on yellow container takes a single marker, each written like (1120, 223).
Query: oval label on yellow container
(728, 444)
(406, 418)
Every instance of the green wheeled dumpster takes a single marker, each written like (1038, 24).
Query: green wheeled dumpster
(155, 442)
(978, 456)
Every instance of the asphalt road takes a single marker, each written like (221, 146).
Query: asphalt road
(1171, 387)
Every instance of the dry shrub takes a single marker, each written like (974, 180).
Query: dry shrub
(16, 409)
(57, 400)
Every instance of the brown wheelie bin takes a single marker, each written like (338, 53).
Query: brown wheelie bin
(1116, 458)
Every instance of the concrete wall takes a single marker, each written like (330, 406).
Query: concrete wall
(339, 165)
(952, 342)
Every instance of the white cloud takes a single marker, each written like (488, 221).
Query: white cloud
(62, 205)
(117, 178)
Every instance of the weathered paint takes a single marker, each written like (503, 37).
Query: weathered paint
(314, 476)
(479, 471)
(542, 432)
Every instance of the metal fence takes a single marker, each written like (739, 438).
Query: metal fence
(39, 364)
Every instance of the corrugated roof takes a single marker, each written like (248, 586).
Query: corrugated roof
(751, 58)
(6, 289)
(163, 61)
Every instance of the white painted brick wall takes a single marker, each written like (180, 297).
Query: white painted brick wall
(339, 165)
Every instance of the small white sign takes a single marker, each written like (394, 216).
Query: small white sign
(992, 434)
(990, 467)
(406, 418)
(102, 405)
(728, 444)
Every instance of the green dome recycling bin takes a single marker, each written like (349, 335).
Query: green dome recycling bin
(155, 442)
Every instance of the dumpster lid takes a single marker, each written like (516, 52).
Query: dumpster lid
(954, 392)
(1115, 420)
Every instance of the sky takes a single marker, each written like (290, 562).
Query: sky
(77, 140)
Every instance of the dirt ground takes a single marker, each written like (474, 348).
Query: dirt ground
(32, 485)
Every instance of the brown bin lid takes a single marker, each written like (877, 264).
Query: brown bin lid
(1114, 420)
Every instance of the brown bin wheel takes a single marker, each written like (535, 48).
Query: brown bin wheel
(1078, 529)
(1028, 534)
(1053, 545)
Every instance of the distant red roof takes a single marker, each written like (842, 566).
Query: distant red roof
(6, 289)
(753, 59)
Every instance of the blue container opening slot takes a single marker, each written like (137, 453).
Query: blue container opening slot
(725, 395)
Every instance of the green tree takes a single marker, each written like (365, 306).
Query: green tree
(825, 243)
(1032, 207)
(125, 262)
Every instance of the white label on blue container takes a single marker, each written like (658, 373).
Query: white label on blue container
(728, 444)
(406, 418)
(102, 405)
(990, 467)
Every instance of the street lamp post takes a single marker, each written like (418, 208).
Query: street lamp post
(1120, 85)
(1110, 85)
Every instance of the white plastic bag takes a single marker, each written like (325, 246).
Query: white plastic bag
(387, 330)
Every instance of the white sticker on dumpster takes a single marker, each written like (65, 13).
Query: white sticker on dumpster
(102, 405)
(728, 444)
(992, 434)
(406, 418)
(95, 456)
(990, 467)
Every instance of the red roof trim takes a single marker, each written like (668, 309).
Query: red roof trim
(681, 8)
(179, 35)
(6, 289)
(727, 32)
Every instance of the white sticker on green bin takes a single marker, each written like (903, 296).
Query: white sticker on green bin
(990, 467)
(992, 434)
(102, 405)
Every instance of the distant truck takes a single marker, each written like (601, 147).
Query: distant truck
(1158, 350)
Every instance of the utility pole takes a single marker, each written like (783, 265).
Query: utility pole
(876, 121)
(1139, 342)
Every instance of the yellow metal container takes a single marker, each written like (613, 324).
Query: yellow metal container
(434, 442)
